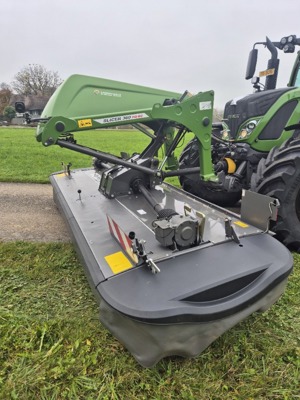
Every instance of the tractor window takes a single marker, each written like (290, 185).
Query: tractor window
(297, 80)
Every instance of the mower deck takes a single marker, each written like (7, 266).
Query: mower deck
(199, 292)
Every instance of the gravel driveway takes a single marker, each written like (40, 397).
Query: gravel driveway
(28, 212)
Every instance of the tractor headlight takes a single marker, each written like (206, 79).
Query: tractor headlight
(251, 125)
(283, 41)
(289, 48)
(291, 39)
(247, 129)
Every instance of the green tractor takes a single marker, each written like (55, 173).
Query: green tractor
(257, 146)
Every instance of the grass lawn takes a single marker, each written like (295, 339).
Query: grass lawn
(52, 345)
(23, 159)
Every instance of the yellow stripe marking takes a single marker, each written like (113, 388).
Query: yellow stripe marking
(241, 224)
(60, 175)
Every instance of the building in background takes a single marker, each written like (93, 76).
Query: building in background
(34, 105)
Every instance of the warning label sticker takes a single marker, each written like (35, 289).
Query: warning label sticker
(85, 123)
(205, 105)
(267, 72)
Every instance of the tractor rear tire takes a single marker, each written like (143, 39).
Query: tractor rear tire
(278, 176)
(193, 183)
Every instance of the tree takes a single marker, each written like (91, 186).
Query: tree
(4, 85)
(217, 115)
(9, 112)
(5, 96)
(37, 80)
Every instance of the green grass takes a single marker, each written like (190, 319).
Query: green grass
(23, 159)
(52, 345)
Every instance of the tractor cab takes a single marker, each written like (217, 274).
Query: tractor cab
(264, 114)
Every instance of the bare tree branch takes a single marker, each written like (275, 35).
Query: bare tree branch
(35, 79)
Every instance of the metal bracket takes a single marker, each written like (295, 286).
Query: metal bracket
(230, 232)
(138, 247)
(67, 168)
(258, 210)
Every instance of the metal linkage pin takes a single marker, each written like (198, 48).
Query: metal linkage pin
(151, 264)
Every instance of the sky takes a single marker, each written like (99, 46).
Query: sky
(174, 45)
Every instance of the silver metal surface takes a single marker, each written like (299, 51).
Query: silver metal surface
(133, 213)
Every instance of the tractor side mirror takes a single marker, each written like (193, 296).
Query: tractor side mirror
(251, 66)
(20, 107)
